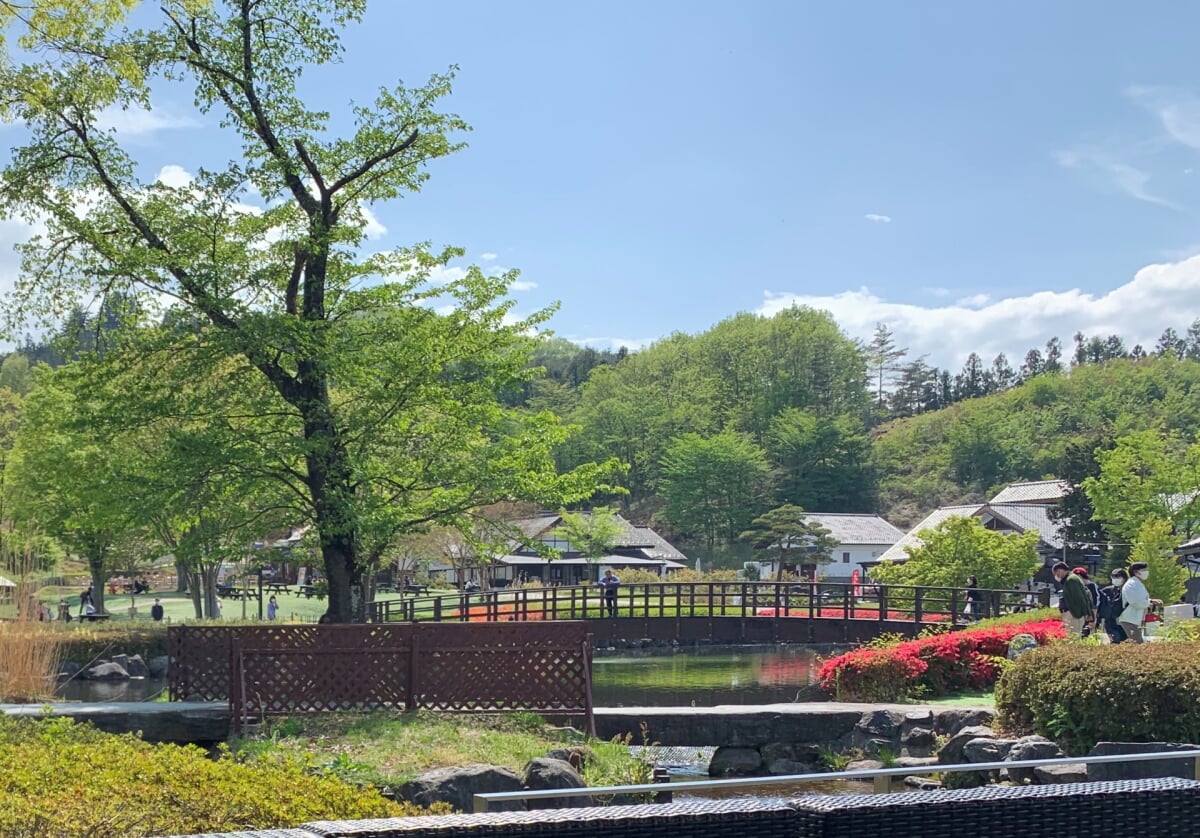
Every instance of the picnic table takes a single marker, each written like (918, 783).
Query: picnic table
(306, 591)
(277, 587)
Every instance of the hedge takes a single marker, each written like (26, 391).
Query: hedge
(60, 779)
(1079, 694)
(930, 666)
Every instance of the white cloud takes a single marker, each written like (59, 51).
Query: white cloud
(613, 344)
(1128, 179)
(1158, 296)
(173, 176)
(877, 218)
(139, 122)
(523, 285)
(372, 226)
(974, 301)
(1177, 110)
(488, 257)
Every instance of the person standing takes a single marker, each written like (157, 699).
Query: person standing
(156, 611)
(1110, 606)
(272, 608)
(974, 606)
(1077, 599)
(609, 582)
(1094, 592)
(1137, 601)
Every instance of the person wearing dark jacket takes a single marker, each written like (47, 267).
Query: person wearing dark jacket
(1093, 592)
(1111, 606)
(1079, 611)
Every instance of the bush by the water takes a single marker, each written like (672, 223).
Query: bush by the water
(931, 666)
(1079, 694)
(60, 779)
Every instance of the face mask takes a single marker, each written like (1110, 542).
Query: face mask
(1143, 575)
(1117, 580)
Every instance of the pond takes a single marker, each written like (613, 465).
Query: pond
(135, 689)
(707, 677)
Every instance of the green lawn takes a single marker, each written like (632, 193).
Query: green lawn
(178, 608)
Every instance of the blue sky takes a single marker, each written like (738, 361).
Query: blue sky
(978, 176)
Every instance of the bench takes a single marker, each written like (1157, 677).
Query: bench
(277, 588)
(306, 591)
(95, 618)
(1168, 806)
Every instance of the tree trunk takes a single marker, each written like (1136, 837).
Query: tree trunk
(182, 577)
(208, 585)
(193, 584)
(99, 577)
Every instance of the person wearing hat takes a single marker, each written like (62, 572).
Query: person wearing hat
(1078, 600)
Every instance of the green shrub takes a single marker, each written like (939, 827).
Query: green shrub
(1080, 694)
(60, 779)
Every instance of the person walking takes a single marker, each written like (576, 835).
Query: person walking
(609, 582)
(1111, 606)
(156, 610)
(272, 608)
(1137, 602)
(974, 606)
(1077, 599)
(1094, 592)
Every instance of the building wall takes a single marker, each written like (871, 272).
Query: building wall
(849, 557)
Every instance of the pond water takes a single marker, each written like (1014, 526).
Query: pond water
(706, 677)
(135, 689)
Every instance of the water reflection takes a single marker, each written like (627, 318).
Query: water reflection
(135, 689)
(706, 678)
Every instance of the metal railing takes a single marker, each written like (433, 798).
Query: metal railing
(921, 605)
(879, 777)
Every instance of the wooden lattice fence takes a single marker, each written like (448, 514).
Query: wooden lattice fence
(454, 667)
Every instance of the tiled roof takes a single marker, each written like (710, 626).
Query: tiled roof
(659, 547)
(1026, 517)
(856, 529)
(535, 526)
(1043, 491)
(897, 553)
(1192, 546)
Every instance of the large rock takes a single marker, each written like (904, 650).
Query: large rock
(1072, 773)
(105, 672)
(121, 661)
(735, 762)
(918, 741)
(864, 765)
(1165, 767)
(458, 787)
(952, 752)
(1027, 748)
(578, 757)
(950, 722)
(544, 774)
(878, 729)
(986, 749)
(789, 757)
(1020, 644)
(136, 667)
(158, 666)
(69, 669)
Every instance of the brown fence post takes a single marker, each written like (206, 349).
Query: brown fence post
(237, 683)
(883, 603)
(588, 706)
(918, 597)
(411, 701)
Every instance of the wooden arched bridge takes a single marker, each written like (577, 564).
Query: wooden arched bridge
(722, 612)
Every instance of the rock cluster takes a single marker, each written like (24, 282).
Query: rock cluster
(116, 668)
(978, 744)
(459, 785)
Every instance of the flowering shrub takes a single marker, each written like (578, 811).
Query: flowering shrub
(931, 666)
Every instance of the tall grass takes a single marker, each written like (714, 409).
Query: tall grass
(30, 650)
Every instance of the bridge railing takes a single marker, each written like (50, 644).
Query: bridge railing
(921, 605)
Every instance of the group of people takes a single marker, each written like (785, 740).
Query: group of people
(1119, 608)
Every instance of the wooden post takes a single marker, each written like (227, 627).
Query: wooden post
(411, 701)
(587, 686)
(882, 784)
(918, 596)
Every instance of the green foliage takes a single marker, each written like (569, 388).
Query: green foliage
(1079, 694)
(713, 485)
(960, 547)
(1142, 477)
(593, 534)
(1155, 546)
(64, 779)
(786, 533)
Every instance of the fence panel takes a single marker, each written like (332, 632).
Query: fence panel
(457, 667)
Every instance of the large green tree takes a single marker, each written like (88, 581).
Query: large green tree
(960, 547)
(714, 485)
(338, 335)
(785, 532)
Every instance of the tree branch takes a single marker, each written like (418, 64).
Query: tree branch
(373, 161)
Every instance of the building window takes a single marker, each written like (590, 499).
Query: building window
(845, 558)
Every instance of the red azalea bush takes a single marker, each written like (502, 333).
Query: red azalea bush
(931, 666)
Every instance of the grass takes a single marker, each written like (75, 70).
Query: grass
(388, 748)
(974, 699)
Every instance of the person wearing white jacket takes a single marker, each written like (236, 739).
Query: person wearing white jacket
(1137, 601)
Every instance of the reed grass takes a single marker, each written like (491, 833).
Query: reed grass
(30, 650)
